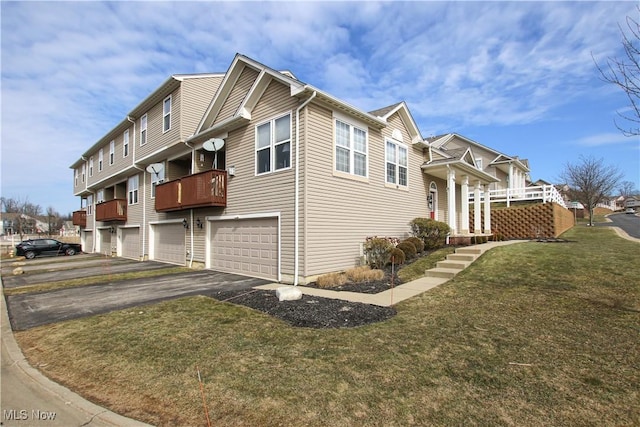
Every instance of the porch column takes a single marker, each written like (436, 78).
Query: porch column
(476, 208)
(487, 210)
(510, 185)
(451, 200)
(464, 226)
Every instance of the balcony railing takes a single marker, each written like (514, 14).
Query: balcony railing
(203, 189)
(544, 193)
(79, 218)
(113, 210)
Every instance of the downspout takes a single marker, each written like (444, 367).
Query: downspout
(296, 220)
(144, 188)
(193, 168)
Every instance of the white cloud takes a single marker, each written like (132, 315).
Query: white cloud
(607, 139)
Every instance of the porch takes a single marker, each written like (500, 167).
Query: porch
(542, 193)
(203, 189)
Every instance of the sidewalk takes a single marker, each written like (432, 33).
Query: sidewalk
(442, 273)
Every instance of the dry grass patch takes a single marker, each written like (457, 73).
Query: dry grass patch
(331, 280)
(364, 274)
(529, 335)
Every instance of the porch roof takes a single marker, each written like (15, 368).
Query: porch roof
(439, 169)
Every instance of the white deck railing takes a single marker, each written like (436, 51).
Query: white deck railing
(544, 193)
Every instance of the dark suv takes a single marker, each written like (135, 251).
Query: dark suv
(51, 247)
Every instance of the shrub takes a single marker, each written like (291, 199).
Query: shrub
(418, 243)
(377, 251)
(397, 255)
(433, 233)
(408, 248)
(364, 274)
(331, 280)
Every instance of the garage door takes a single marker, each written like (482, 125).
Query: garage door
(130, 242)
(245, 246)
(169, 243)
(104, 242)
(87, 241)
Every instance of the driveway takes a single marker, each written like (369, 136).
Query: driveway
(30, 310)
(629, 223)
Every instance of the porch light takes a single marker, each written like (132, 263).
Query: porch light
(199, 223)
(185, 224)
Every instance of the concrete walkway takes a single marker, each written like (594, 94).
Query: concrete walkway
(443, 272)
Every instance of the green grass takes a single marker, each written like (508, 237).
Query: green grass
(416, 269)
(531, 334)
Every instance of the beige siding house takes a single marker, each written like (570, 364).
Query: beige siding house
(257, 173)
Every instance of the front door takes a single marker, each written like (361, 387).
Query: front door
(432, 201)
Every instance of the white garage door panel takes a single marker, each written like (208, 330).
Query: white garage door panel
(88, 242)
(105, 242)
(169, 243)
(246, 246)
(131, 243)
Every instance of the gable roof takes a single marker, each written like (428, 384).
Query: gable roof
(406, 117)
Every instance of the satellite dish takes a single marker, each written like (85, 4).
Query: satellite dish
(213, 144)
(155, 168)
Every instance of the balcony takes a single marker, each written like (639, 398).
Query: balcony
(113, 210)
(203, 189)
(79, 218)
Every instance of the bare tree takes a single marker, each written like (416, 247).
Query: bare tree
(590, 181)
(625, 73)
(627, 188)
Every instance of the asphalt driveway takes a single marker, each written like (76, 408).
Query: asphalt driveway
(31, 310)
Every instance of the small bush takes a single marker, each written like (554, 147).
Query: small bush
(397, 256)
(418, 243)
(433, 233)
(377, 251)
(331, 280)
(408, 248)
(364, 274)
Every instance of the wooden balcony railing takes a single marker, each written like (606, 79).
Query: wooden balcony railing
(203, 189)
(79, 218)
(113, 210)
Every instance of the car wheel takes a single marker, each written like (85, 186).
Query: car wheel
(29, 255)
(70, 251)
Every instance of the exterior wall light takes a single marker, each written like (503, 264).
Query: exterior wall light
(185, 224)
(231, 170)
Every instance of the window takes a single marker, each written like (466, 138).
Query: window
(351, 149)
(156, 178)
(273, 145)
(166, 114)
(91, 166)
(112, 151)
(75, 182)
(479, 163)
(83, 172)
(89, 205)
(100, 159)
(100, 196)
(132, 186)
(125, 143)
(396, 163)
(143, 130)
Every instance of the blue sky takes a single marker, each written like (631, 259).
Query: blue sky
(517, 77)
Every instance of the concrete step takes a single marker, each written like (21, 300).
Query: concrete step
(462, 257)
(469, 250)
(458, 265)
(446, 273)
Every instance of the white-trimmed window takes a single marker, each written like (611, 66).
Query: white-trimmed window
(143, 130)
(112, 152)
(132, 189)
(90, 166)
(100, 159)
(156, 178)
(100, 196)
(351, 149)
(90, 204)
(75, 182)
(479, 163)
(166, 114)
(84, 173)
(125, 143)
(273, 145)
(397, 161)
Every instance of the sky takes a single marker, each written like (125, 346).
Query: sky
(518, 77)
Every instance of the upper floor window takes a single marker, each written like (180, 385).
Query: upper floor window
(125, 143)
(351, 149)
(166, 114)
(100, 159)
(91, 166)
(83, 173)
(100, 196)
(112, 152)
(156, 178)
(75, 181)
(90, 204)
(479, 164)
(273, 145)
(143, 130)
(132, 190)
(396, 163)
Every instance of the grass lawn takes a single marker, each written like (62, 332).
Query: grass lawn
(532, 334)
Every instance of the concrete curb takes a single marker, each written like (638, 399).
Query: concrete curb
(56, 393)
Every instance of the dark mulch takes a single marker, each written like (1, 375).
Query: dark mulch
(310, 311)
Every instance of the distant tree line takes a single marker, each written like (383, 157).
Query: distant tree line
(25, 215)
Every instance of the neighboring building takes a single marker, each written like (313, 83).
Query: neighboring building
(257, 173)
(632, 202)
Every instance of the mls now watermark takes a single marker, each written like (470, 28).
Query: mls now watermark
(24, 415)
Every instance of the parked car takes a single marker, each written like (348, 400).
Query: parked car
(630, 211)
(46, 247)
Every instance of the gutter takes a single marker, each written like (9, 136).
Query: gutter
(296, 213)
(193, 168)
(144, 187)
